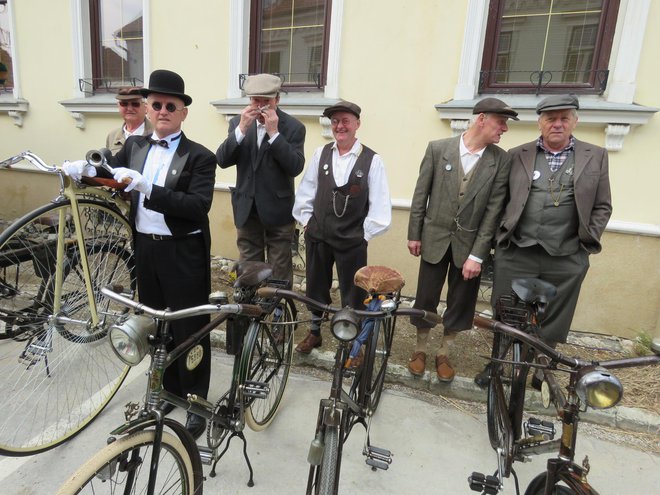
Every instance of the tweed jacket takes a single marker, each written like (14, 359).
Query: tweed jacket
(116, 139)
(591, 185)
(264, 175)
(439, 220)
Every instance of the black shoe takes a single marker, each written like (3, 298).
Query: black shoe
(165, 407)
(195, 425)
(483, 377)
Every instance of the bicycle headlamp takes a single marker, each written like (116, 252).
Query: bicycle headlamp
(344, 324)
(130, 339)
(598, 388)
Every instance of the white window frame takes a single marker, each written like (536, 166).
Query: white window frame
(82, 104)
(615, 109)
(12, 103)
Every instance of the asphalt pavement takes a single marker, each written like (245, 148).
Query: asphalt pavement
(436, 445)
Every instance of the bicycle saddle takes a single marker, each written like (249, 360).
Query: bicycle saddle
(251, 273)
(378, 279)
(533, 290)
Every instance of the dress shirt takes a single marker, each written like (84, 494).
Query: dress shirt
(137, 132)
(240, 136)
(378, 218)
(556, 160)
(469, 159)
(155, 171)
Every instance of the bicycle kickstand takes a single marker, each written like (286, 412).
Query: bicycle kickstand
(240, 435)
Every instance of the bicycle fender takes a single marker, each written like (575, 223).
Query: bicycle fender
(537, 485)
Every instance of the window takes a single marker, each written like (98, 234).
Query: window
(117, 45)
(290, 38)
(546, 46)
(6, 61)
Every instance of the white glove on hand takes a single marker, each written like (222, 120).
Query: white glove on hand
(137, 180)
(77, 169)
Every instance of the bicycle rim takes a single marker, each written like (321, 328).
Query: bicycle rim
(56, 378)
(564, 487)
(378, 356)
(123, 467)
(327, 477)
(268, 353)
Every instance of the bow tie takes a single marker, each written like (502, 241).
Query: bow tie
(163, 142)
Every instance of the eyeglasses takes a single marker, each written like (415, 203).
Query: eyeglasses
(170, 107)
(345, 122)
(134, 103)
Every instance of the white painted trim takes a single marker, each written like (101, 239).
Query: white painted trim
(334, 49)
(473, 41)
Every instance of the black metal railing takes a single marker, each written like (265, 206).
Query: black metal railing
(94, 85)
(540, 81)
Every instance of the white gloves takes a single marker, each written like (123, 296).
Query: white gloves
(77, 169)
(137, 180)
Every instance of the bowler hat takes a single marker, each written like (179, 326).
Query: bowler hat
(167, 82)
(494, 105)
(129, 93)
(342, 106)
(557, 102)
(262, 85)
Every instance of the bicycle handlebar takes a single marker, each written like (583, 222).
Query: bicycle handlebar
(251, 310)
(326, 308)
(32, 158)
(554, 355)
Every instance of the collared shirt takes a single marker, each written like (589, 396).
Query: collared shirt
(469, 159)
(137, 132)
(155, 171)
(556, 160)
(240, 136)
(378, 218)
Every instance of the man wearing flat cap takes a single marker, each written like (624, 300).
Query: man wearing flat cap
(171, 180)
(343, 201)
(559, 204)
(267, 147)
(458, 198)
(133, 110)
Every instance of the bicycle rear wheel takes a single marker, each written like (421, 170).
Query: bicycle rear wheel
(378, 354)
(57, 375)
(123, 467)
(267, 356)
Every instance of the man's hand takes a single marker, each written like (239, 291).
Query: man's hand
(77, 169)
(134, 179)
(248, 115)
(415, 247)
(471, 269)
(270, 120)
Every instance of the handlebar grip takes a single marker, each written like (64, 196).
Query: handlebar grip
(250, 310)
(267, 291)
(431, 317)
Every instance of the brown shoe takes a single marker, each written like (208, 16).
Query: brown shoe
(443, 369)
(356, 362)
(309, 343)
(417, 363)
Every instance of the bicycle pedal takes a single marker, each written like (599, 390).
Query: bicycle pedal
(206, 455)
(378, 456)
(376, 464)
(479, 482)
(536, 427)
(256, 390)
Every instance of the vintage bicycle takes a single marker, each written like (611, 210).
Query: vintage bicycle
(56, 375)
(517, 349)
(154, 454)
(363, 349)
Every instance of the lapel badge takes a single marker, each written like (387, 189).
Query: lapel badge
(536, 175)
(326, 172)
(174, 172)
(569, 171)
(359, 174)
(448, 167)
(325, 167)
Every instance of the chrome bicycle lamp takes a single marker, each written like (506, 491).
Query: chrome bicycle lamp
(598, 388)
(344, 324)
(130, 339)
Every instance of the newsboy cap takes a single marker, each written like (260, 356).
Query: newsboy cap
(262, 85)
(129, 93)
(494, 105)
(557, 102)
(342, 106)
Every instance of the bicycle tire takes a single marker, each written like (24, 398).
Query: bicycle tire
(328, 471)
(378, 351)
(176, 473)
(267, 357)
(537, 487)
(64, 375)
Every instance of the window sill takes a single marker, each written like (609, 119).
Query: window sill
(295, 104)
(15, 108)
(78, 107)
(615, 117)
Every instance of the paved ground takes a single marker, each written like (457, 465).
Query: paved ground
(435, 445)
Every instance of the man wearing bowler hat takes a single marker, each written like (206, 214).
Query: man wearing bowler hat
(458, 198)
(133, 111)
(343, 201)
(171, 182)
(267, 147)
(559, 204)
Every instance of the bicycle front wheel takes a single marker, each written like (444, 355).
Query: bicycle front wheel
(56, 372)
(571, 486)
(267, 359)
(327, 477)
(123, 467)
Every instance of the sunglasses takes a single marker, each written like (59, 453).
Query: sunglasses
(170, 107)
(134, 104)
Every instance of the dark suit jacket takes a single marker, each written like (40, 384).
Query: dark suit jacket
(435, 204)
(264, 175)
(592, 191)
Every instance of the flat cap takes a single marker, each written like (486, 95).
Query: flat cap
(342, 106)
(494, 105)
(262, 85)
(557, 102)
(129, 93)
